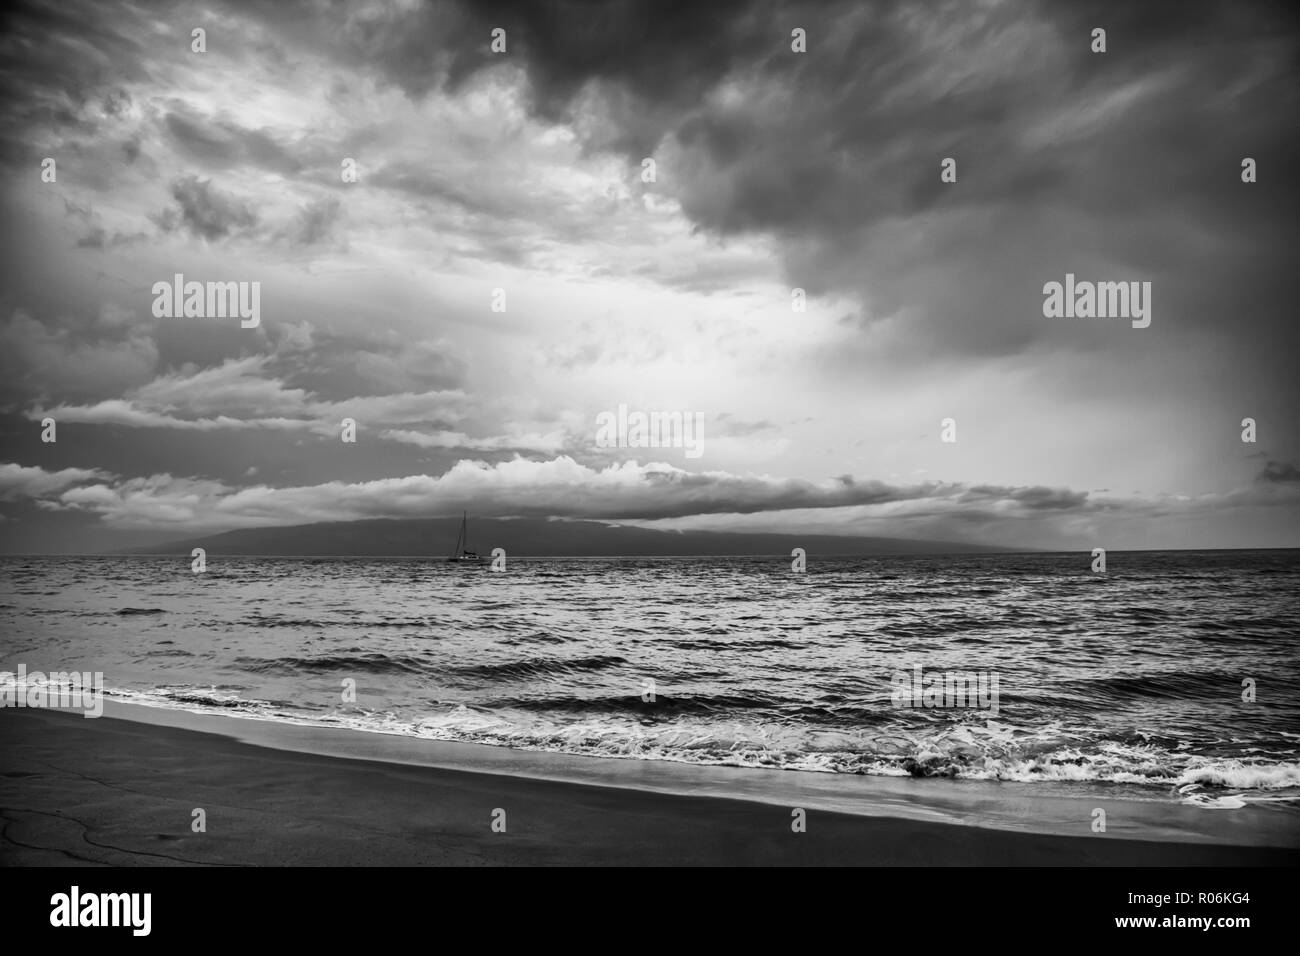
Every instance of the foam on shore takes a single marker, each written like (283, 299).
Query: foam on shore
(1064, 809)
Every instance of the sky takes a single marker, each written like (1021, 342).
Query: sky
(517, 179)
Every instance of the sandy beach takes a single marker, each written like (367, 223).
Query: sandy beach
(121, 792)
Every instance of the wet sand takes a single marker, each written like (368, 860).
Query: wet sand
(120, 792)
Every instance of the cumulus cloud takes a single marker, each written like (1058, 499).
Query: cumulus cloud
(520, 487)
(32, 481)
(558, 487)
(239, 394)
(551, 442)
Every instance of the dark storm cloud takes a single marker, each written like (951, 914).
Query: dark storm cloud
(1064, 156)
(820, 149)
(205, 211)
(62, 64)
(1279, 473)
(1067, 161)
(854, 94)
(100, 238)
(663, 54)
(97, 238)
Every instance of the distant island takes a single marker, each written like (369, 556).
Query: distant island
(536, 537)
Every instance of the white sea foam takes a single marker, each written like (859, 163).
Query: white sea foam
(991, 751)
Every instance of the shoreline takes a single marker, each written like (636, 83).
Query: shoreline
(1052, 807)
(122, 792)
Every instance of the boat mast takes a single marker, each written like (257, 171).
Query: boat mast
(461, 534)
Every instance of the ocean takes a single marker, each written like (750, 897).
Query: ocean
(1174, 675)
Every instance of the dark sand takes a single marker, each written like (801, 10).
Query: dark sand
(118, 792)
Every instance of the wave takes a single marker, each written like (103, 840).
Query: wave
(1240, 775)
(540, 667)
(370, 663)
(345, 619)
(974, 752)
(661, 706)
(1175, 685)
(217, 698)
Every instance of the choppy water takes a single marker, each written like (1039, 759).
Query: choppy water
(1132, 678)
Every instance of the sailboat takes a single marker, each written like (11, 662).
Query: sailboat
(462, 554)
